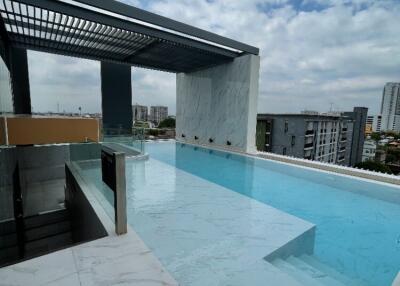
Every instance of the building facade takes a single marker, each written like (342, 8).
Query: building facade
(390, 107)
(369, 150)
(324, 138)
(158, 113)
(140, 112)
(374, 123)
(359, 116)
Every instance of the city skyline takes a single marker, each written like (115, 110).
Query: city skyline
(345, 60)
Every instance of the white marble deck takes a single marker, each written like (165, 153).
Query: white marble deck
(113, 260)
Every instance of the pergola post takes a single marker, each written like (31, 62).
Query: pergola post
(20, 80)
(116, 95)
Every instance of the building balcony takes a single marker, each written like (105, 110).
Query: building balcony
(308, 145)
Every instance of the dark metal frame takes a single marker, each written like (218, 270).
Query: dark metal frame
(68, 29)
(133, 12)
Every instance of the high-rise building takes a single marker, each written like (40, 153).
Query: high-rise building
(374, 122)
(320, 137)
(140, 112)
(390, 107)
(359, 117)
(158, 113)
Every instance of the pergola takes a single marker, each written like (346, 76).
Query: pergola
(121, 36)
(112, 31)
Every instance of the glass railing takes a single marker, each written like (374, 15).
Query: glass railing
(129, 141)
(134, 141)
(89, 161)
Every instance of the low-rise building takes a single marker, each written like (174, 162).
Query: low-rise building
(383, 142)
(325, 138)
(369, 151)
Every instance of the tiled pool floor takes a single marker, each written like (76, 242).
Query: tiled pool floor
(203, 233)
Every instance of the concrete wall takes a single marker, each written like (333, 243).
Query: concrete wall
(27, 130)
(281, 139)
(219, 103)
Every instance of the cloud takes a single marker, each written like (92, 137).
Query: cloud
(313, 52)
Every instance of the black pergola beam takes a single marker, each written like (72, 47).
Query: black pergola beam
(94, 16)
(4, 44)
(94, 38)
(145, 16)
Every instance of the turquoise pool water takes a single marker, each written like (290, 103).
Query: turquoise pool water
(358, 225)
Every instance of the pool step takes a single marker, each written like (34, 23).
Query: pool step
(313, 261)
(308, 270)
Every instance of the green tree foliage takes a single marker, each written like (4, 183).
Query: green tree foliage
(392, 155)
(167, 123)
(141, 124)
(374, 166)
(396, 135)
(155, 132)
(376, 136)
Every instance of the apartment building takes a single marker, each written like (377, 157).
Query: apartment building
(325, 138)
(374, 123)
(390, 107)
(359, 116)
(140, 112)
(158, 113)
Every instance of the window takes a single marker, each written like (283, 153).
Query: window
(284, 151)
(293, 140)
(268, 126)
(286, 126)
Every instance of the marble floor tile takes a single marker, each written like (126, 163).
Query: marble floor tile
(40, 270)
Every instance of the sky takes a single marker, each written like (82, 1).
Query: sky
(315, 55)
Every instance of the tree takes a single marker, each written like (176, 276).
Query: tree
(374, 166)
(376, 136)
(141, 124)
(392, 155)
(167, 123)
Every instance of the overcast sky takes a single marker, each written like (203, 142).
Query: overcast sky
(314, 53)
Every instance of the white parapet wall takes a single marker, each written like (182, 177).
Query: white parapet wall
(220, 104)
(350, 171)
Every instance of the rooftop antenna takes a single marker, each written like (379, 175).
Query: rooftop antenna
(331, 108)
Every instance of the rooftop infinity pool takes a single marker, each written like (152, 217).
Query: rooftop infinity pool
(207, 215)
